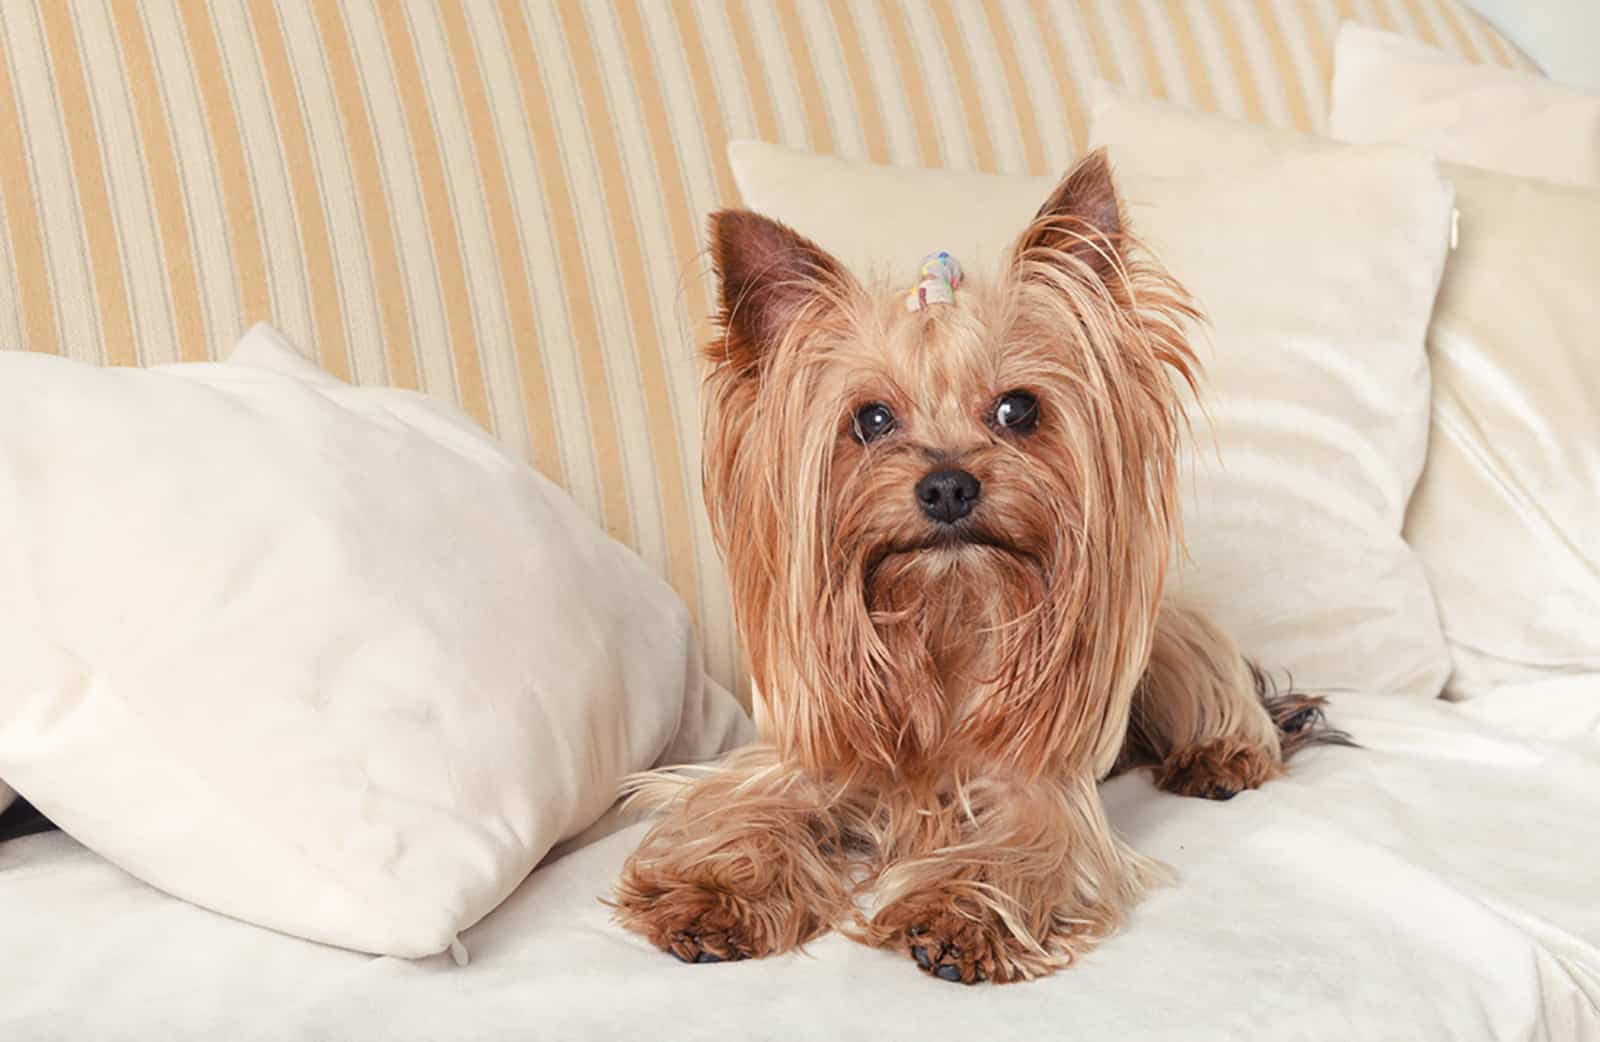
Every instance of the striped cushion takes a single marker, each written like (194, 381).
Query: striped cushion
(501, 202)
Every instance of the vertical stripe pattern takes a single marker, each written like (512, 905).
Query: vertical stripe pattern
(666, 457)
(502, 203)
(533, 386)
(29, 288)
(77, 115)
(394, 319)
(453, 285)
(315, 244)
(247, 258)
(166, 194)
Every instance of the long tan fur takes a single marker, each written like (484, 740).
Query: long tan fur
(941, 702)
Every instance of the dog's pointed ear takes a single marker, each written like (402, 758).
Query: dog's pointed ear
(1081, 223)
(769, 277)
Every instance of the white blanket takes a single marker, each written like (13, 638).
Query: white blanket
(1439, 883)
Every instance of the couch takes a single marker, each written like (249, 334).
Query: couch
(501, 205)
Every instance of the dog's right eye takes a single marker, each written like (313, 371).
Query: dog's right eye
(872, 422)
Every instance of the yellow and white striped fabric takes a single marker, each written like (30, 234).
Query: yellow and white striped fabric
(500, 201)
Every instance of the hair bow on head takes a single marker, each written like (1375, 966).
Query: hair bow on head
(938, 278)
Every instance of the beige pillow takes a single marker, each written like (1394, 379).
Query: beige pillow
(1390, 88)
(1319, 410)
(7, 797)
(1505, 515)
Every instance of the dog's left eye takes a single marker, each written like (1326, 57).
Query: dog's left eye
(872, 422)
(1017, 412)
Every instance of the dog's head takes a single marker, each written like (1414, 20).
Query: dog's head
(947, 526)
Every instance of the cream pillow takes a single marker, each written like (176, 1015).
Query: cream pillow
(320, 658)
(1319, 409)
(1506, 513)
(7, 797)
(1391, 88)
(1504, 516)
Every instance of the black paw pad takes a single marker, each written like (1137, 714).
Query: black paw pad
(949, 973)
(707, 957)
(921, 955)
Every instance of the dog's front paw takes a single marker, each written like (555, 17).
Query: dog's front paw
(959, 944)
(693, 921)
(962, 951)
(1218, 769)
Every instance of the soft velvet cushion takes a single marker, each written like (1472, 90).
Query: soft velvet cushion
(1504, 514)
(1563, 36)
(1318, 408)
(320, 658)
(1390, 88)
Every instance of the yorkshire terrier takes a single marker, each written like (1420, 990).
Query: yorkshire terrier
(948, 519)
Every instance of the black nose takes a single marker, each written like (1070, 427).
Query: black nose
(947, 495)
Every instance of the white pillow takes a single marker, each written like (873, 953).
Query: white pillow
(1319, 408)
(1561, 36)
(1503, 516)
(321, 658)
(1507, 515)
(1391, 88)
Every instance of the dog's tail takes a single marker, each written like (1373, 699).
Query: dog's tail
(1300, 717)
